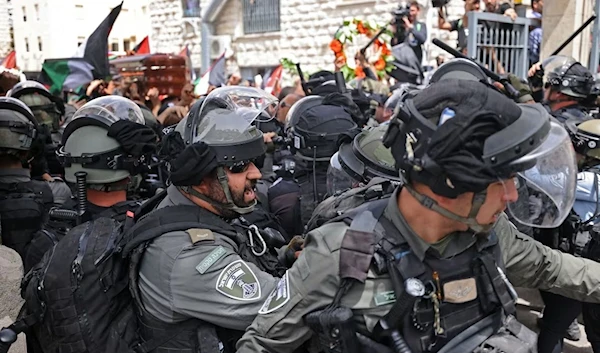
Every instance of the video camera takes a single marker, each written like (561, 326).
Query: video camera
(402, 11)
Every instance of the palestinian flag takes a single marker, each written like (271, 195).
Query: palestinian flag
(10, 62)
(143, 47)
(65, 74)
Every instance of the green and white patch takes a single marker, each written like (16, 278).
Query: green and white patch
(278, 297)
(210, 260)
(384, 298)
(237, 281)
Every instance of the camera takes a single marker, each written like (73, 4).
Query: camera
(399, 13)
(439, 3)
(403, 10)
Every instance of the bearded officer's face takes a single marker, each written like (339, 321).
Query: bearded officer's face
(242, 182)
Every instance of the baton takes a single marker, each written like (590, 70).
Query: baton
(510, 90)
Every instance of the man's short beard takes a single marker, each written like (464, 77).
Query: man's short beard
(217, 194)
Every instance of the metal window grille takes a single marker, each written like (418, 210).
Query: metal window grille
(499, 43)
(261, 16)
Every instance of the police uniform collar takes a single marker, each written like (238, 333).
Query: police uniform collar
(175, 197)
(459, 242)
(14, 175)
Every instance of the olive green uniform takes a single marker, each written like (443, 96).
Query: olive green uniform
(313, 281)
(199, 274)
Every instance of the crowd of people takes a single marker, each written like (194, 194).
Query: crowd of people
(336, 217)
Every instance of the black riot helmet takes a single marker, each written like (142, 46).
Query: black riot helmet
(18, 129)
(459, 68)
(46, 108)
(360, 160)
(314, 127)
(219, 134)
(461, 136)
(567, 76)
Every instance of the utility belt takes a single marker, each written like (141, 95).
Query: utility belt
(336, 332)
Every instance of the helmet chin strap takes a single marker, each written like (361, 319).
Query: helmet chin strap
(230, 205)
(470, 220)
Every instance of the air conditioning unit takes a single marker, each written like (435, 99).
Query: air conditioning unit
(218, 45)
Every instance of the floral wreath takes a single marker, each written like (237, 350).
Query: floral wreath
(379, 54)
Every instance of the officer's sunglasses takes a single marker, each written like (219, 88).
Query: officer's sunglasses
(241, 166)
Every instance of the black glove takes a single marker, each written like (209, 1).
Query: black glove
(188, 165)
(135, 139)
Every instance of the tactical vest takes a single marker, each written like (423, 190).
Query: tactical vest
(338, 204)
(23, 210)
(462, 292)
(193, 335)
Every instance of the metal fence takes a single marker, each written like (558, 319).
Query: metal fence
(499, 43)
(261, 16)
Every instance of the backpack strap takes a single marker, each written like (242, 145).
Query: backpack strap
(358, 245)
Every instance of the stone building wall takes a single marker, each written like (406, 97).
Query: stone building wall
(170, 31)
(6, 45)
(307, 27)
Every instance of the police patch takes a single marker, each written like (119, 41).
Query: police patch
(208, 261)
(237, 281)
(278, 297)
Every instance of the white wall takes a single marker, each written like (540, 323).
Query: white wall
(5, 26)
(62, 24)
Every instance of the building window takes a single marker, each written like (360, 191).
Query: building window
(79, 12)
(24, 14)
(27, 45)
(114, 46)
(261, 16)
(191, 8)
(126, 45)
(37, 12)
(80, 41)
(40, 43)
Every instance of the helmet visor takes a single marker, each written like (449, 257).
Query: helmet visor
(110, 109)
(337, 178)
(546, 191)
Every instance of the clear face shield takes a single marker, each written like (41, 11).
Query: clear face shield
(251, 103)
(546, 191)
(110, 109)
(337, 179)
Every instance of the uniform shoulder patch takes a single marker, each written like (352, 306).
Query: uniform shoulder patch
(237, 281)
(209, 260)
(384, 298)
(278, 297)
(198, 235)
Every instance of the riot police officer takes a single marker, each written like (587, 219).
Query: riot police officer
(313, 127)
(361, 171)
(584, 218)
(566, 85)
(106, 139)
(49, 112)
(425, 268)
(209, 279)
(24, 203)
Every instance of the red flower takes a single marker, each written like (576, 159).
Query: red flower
(380, 64)
(361, 28)
(359, 72)
(336, 46)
